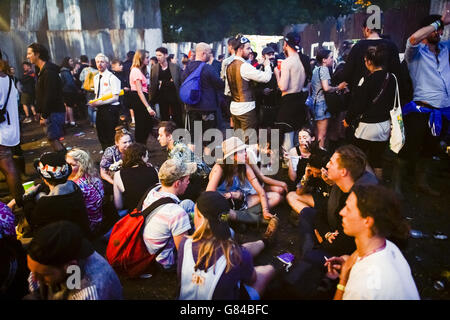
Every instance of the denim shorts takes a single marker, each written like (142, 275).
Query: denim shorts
(55, 125)
(319, 111)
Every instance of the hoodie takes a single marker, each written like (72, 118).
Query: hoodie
(211, 86)
(49, 97)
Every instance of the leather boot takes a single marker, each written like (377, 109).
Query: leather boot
(421, 180)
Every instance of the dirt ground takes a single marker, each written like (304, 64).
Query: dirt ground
(428, 257)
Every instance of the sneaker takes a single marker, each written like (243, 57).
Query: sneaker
(287, 260)
(27, 120)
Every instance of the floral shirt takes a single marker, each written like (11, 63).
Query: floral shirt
(181, 152)
(7, 227)
(93, 194)
(112, 159)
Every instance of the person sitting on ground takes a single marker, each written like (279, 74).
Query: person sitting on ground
(85, 175)
(180, 151)
(372, 214)
(299, 155)
(64, 201)
(346, 168)
(171, 221)
(134, 179)
(312, 191)
(57, 254)
(218, 263)
(236, 181)
(13, 269)
(112, 158)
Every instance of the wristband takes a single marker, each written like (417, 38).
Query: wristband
(437, 24)
(340, 287)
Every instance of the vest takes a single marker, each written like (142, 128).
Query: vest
(240, 88)
(199, 285)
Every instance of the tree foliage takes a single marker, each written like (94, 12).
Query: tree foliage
(212, 20)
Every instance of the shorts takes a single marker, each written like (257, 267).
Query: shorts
(55, 125)
(27, 99)
(320, 111)
(70, 99)
(5, 152)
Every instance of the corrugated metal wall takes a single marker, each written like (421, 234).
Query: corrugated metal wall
(76, 27)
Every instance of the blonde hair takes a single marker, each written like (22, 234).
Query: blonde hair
(84, 160)
(202, 47)
(138, 60)
(101, 56)
(208, 247)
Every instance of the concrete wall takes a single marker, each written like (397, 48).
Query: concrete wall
(76, 27)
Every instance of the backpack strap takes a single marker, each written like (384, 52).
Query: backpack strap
(383, 87)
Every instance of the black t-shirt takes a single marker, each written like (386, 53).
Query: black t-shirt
(165, 77)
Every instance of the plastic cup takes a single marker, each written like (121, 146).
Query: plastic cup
(279, 61)
(295, 160)
(28, 185)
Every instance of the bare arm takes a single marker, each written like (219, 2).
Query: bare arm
(105, 176)
(143, 99)
(118, 187)
(421, 34)
(214, 178)
(267, 180)
(177, 239)
(259, 189)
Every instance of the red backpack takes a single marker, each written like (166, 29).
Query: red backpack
(126, 251)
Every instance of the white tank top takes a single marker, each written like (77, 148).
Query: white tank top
(199, 285)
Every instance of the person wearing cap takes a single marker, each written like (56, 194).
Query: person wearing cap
(64, 266)
(64, 201)
(268, 95)
(426, 116)
(239, 75)
(291, 78)
(237, 181)
(170, 223)
(211, 265)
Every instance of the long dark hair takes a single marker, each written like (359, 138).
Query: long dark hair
(229, 173)
(65, 63)
(132, 156)
(384, 207)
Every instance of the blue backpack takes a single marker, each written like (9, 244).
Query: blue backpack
(190, 90)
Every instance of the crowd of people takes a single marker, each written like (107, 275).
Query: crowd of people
(332, 116)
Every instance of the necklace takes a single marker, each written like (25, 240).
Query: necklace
(373, 251)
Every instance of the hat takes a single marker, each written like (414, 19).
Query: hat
(58, 243)
(293, 40)
(53, 166)
(173, 170)
(267, 50)
(231, 146)
(212, 205)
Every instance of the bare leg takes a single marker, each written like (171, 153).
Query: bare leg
(254, 247)
(322, 126)
(273, 199)
(69, 114)
(299, 202)
(263, 276)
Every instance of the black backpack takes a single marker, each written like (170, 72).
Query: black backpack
(3, 108)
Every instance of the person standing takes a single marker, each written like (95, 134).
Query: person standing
(165, 87)
(70, 89)
(144, 114)
(429, 68)
(107, 110)
(49, 95)
(291, 77)
(9, 132)
(239, 75)
(28, 82)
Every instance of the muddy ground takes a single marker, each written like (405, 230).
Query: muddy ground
(428, 257)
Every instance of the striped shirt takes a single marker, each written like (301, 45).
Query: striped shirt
(168, 221)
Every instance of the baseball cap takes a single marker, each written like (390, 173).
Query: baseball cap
(293, 40)
(58, 243)
(267, 50)
(173, 170)
(212, 205)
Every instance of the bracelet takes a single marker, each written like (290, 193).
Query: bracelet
(437, 24)
(340, 287)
